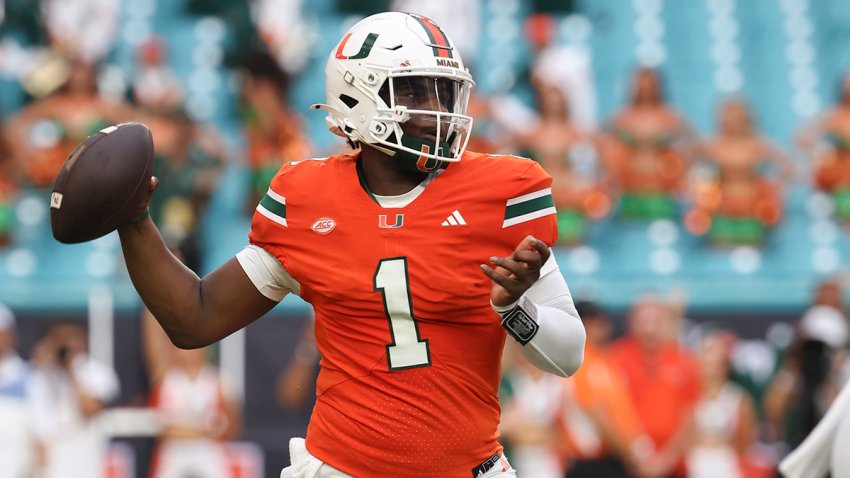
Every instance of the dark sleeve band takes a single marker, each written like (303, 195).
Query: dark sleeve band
(521, 321)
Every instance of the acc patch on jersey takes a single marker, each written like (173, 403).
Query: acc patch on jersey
(323, 225)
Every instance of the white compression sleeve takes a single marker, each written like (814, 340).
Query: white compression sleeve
(266, 273)
(558, 346)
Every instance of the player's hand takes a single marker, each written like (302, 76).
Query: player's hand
(151, 188)
(513, 275)
(142, 211)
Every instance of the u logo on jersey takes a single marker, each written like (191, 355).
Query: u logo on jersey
(383, 223)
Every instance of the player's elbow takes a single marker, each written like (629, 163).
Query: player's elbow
(184, 342)
(563, 362)
(561, 356)
(575, 358)
(558, 346)
(571, 364)
(562, 366)
(187, 339)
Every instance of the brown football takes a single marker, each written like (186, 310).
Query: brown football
(102, 183)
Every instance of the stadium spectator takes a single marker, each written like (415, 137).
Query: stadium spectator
(663, 382)
(295, 384)
(815, 368)
(45, 131)
(24, 48)
(188, 161)
(647, 151)
(242, 34)
(8, 188)
(560, 67)
(604, 436)
(531, 403)
(22, 37)
(156, 88)
(563, 66)
(83, 28)
(286, 33)
(197, 411)
(195, 405)
(273, 131)
(830, 292)
(188, 156)
(568, 154)
(725, 416)
(827, 140)
(741, 202)
(824, 451)
(69, 390)
(16, 441)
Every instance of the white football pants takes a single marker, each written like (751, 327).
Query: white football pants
(305, 465)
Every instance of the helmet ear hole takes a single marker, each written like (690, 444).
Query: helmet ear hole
(348, 101)
(378, 128)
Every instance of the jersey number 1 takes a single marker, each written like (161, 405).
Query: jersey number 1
(407, 350)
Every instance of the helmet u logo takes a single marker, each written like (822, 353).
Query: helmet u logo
(364, 49)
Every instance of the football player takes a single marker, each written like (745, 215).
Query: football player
(418, 257)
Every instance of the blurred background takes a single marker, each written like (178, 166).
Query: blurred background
(700, 153)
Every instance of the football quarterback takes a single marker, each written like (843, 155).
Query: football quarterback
(418, 257)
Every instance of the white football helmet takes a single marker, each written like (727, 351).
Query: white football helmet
(396, 82)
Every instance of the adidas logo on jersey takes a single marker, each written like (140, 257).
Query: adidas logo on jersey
(454, 219)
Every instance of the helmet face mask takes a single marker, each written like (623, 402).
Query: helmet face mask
(427, 114)
(402, 89)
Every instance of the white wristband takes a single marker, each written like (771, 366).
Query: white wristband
(501, 309)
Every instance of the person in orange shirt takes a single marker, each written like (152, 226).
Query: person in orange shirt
(604, 434)
(663, 383)
(419, 258)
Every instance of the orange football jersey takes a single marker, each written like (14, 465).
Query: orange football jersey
(410, 347)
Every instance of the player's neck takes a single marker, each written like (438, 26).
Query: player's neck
(383, 177)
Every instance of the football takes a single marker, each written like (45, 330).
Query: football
(101, 184)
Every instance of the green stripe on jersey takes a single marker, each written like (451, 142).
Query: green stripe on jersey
(532, 205)
(273, 206)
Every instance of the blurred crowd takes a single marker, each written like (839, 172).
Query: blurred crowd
(647, 162)
(52, 407)
(64, 70)
(644, 162)
(663, 397)
(670, 398)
